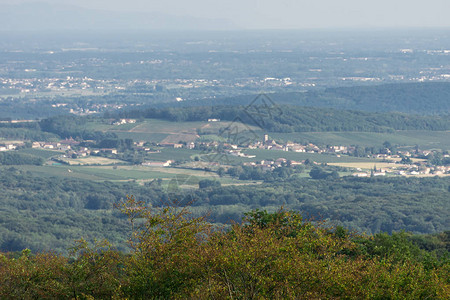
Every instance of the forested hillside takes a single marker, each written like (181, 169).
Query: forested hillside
(421, 98)
(416, 98)
(288, 118)
(44, 213)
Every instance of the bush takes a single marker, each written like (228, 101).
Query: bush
(268, 256)
(206, 183)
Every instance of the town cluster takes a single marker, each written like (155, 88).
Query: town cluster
(408, 163)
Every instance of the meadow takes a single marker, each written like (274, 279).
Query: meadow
(153, 130)
(263, 154)
(92, 160)
(407, 138)
(140, 174)
(45, 154)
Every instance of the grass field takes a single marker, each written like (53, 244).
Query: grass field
(180, 137)
(425, 139)
(161, 126)
(263, 154)
(212, 137)
(40, 152)
(61, 171)
(98, 125)
(218, 127)
(126, 173)
(172, 132)
(367, 165)
(93, 160)
(173, 154)
(159, 131)
(142, 136)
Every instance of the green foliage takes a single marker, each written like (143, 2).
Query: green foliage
(268, 256)
(26, 134)
(17, 158)
(289, 118)
(165, 241)
(418, 98)
(319, 173)
(430, 97)
(47, 213)
(207, 183)
(73, 126)
(398, 247)
(95, 271)
(370, 205)
(42, 212)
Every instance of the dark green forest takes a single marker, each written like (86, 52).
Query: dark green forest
(44, 213)
(288, 118)
(416, 98)
(26, 134)
(419, 98)
(14, 158)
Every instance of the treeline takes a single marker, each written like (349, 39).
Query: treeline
(419, 98)
(257, 173)
(25, 131)
(23, 108)
(416, 98)
(287, 118)
(15, 158)
(73, 126)
(268, 256)
(26, 134)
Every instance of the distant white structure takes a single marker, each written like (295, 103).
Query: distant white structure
(157, 163)
(360, 175)
(124, 121)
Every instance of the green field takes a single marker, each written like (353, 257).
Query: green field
(126, 173)
(161, 126)
(166, 131)
(263, 154)
(424, 139)
(98, 125)
(61, 171)
(173, 154)
(142, 136)
(40, 152)
(92, 160)
(158, 131)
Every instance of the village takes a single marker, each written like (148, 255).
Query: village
(384, 162)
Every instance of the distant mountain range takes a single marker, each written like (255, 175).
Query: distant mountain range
(42, 16)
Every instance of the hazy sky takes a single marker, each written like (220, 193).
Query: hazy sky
(254, 14)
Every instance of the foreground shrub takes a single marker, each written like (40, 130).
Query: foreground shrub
(268, 256)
